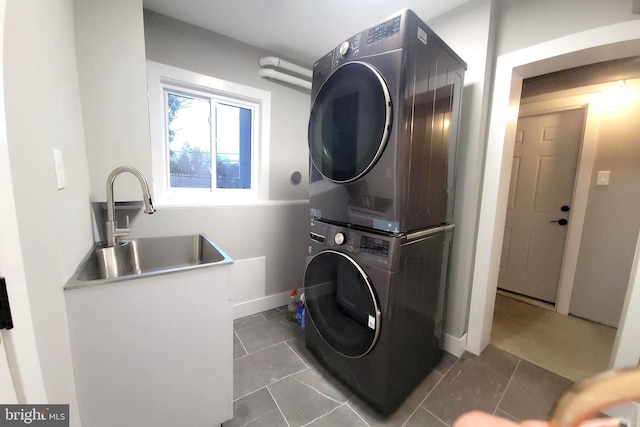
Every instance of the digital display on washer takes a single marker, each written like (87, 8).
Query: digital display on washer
(384, 31)
(374, 246)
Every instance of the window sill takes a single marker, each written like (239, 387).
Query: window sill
(226, 203)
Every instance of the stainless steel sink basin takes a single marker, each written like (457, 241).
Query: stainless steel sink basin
(142, 257)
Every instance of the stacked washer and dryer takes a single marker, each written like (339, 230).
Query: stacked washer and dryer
(382, 142)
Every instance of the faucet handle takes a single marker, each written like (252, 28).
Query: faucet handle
(122, 231)
(126, 223)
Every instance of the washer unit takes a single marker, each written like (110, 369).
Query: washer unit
(383, 128)
(375, 305)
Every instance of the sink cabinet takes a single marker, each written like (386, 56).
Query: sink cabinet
(154, 351)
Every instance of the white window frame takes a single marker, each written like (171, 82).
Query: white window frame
(161, 77)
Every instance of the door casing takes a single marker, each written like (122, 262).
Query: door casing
(600, 44)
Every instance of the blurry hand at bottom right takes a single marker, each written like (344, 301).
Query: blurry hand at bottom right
(482, 419)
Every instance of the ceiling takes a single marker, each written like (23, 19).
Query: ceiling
(299, 30)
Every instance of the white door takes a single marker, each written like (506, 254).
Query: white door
(542, 180)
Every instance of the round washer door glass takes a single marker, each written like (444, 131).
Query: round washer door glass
(350, 122)
(341, 303)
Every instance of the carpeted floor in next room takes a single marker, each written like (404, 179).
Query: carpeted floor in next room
(277, 382)
(569, 346)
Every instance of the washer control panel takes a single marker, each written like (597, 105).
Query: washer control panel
(348, 240)
(374, 245)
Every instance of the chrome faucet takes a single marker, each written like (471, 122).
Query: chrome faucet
(111, 229)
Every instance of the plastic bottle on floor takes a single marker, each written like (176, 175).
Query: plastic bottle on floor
(292, 306)
(300, 309)
(304, 310)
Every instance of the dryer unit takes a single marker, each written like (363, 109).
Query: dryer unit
(383, 128)
(375, 305)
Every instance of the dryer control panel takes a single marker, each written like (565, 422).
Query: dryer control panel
(366, 43)
(348, 49)
(384, 31)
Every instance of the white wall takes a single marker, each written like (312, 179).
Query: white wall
(626, 348)
(19, 344)
(468, 30)
(111, 68)
(43, 112)
(526, 23)
(612, 220)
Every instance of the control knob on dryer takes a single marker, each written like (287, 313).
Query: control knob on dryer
(344, 48)
(339, 238)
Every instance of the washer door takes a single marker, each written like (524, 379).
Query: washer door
(341, 303)
(350, 122)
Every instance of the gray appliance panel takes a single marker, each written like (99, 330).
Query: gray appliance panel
(410, 291)
(411, 185)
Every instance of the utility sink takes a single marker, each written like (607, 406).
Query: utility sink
(143, 257)
(150, 327)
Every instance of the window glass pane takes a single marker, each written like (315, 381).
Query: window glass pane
(233, 146)
(189, 138)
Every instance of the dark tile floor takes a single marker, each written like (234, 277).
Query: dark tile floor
(277, 382)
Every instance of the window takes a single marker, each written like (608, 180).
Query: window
(196, 128)
(209, 138)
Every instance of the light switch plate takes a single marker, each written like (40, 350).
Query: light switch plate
(603, 178)
(59, 165)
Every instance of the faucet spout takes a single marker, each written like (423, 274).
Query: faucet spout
(112, 231)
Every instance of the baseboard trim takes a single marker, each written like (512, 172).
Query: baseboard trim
(454, 345)
(247, 308)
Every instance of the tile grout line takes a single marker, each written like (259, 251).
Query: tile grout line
(258, 351)
(426, 397)
(272, 383)
(507, 386)
(429, 394)
(250, 325)
(356, 412)
(240, 341)
(435, 416)
(322, 416)
(258, 417)
(307, 367)
(285, 323)
(319, 392)
(277, 406)
(296, 353)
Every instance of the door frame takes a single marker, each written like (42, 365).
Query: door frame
(600, 44)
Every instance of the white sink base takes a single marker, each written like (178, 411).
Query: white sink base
(154, 351)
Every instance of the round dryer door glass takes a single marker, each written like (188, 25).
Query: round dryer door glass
(341, 303)
(350, 122)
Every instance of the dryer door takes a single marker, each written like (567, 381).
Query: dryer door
(341, 303)
(350, 122)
